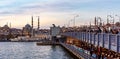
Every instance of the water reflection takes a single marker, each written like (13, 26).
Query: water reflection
(23, 50)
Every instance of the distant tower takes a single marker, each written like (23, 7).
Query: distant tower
(38, 23)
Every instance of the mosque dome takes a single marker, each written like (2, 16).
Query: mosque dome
(5, 26)
(27, 26)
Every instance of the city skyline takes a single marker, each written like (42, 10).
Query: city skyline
(19, 12)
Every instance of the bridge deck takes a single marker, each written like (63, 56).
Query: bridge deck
(80, 55)
(109, 43)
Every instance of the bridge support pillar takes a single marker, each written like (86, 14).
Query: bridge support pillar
(98, 40)
(103, 41)
(118, 44)
(94, 39)
(109, 42)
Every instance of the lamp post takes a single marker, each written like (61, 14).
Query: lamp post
(99, 21)
(110, 17)
(74, 19)
(118, 17)
(69, 22)
(113, 20)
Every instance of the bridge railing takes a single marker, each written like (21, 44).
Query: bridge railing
(109, 41)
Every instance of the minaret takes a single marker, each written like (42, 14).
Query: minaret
(32, 22)
(38, 23)
(32, 27)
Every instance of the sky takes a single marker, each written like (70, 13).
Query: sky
(59, 12)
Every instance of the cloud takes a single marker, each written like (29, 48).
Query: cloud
(32, 7)
(55, 11)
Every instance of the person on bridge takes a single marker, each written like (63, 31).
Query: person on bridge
(91, 50)
(99, 52)
(98, 30)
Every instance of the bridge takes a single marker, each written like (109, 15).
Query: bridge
(104, 45)
(88, 45)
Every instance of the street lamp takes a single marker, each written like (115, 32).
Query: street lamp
(74, 19)
(99, 21)
(69, 22)
(110, 17)
(113, 19)
(118, 17)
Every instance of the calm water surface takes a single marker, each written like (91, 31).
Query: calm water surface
(29, 50)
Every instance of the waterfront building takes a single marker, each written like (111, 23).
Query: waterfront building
(55, 30)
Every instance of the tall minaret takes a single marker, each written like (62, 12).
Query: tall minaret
(32, 22)
(38, 23)
(32, 27)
